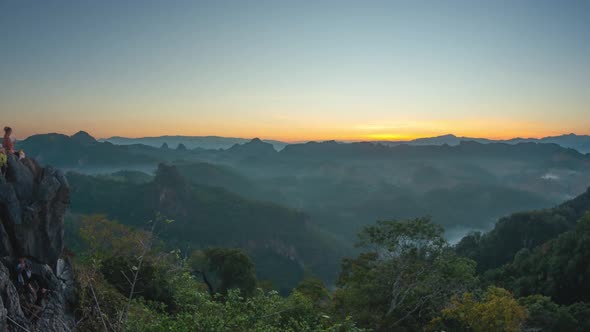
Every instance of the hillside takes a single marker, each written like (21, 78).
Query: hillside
(208, 216)
(522, 230)
(231, 179)
(559, 268)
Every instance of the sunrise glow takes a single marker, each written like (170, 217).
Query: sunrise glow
(295, 73)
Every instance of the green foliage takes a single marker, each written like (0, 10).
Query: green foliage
(106, 238)
(581, 313)
(404, 278)
(227, 268)
(196, 310)
(74, 243)
(97, 300)
(167, 296)
(315, 290)
(546, 315)
(153, 284)
(124, 259)
(559, 268)
(415, 237)
(260, 312)
(521, 230)
(497, 310)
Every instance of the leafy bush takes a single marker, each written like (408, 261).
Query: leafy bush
(497, 310)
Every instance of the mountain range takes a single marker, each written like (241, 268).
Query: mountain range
(191, 142)
(573, 141)
(578, 142)
(343, 186)
(82, 150)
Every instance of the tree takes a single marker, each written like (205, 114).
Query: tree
(546, 315)
(581, 313)
(403, 278)
(108, 242)
(558, 268)
(223, 269)
(267, 312)
(106, 238)
(315, 290)
(497, 311)
(522, 230)
(153, 284)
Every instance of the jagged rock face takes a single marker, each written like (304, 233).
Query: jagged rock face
(20, 312)
(33, 203)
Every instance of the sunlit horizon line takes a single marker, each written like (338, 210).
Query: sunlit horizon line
(355, 138)
(403, 138)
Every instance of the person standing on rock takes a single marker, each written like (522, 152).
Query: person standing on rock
(7, 142)
(23, 268)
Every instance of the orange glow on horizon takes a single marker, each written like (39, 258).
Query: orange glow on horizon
(297, 130)
(326, 137)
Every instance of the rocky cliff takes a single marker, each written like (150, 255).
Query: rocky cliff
(33, 202)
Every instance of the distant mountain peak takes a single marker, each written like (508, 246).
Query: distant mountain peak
(255, 147)
(83, 138)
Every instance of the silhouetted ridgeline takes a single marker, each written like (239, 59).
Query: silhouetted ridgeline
(578, 142)
(83, 150)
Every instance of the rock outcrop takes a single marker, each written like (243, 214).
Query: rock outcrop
(33, 203)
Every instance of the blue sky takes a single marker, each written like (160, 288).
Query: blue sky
(296, 70)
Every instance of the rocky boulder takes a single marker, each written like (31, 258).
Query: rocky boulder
(33, 203)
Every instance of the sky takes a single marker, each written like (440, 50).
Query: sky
(296, 70)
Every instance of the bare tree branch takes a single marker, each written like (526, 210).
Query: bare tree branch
(146, 247)
(98, 308)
